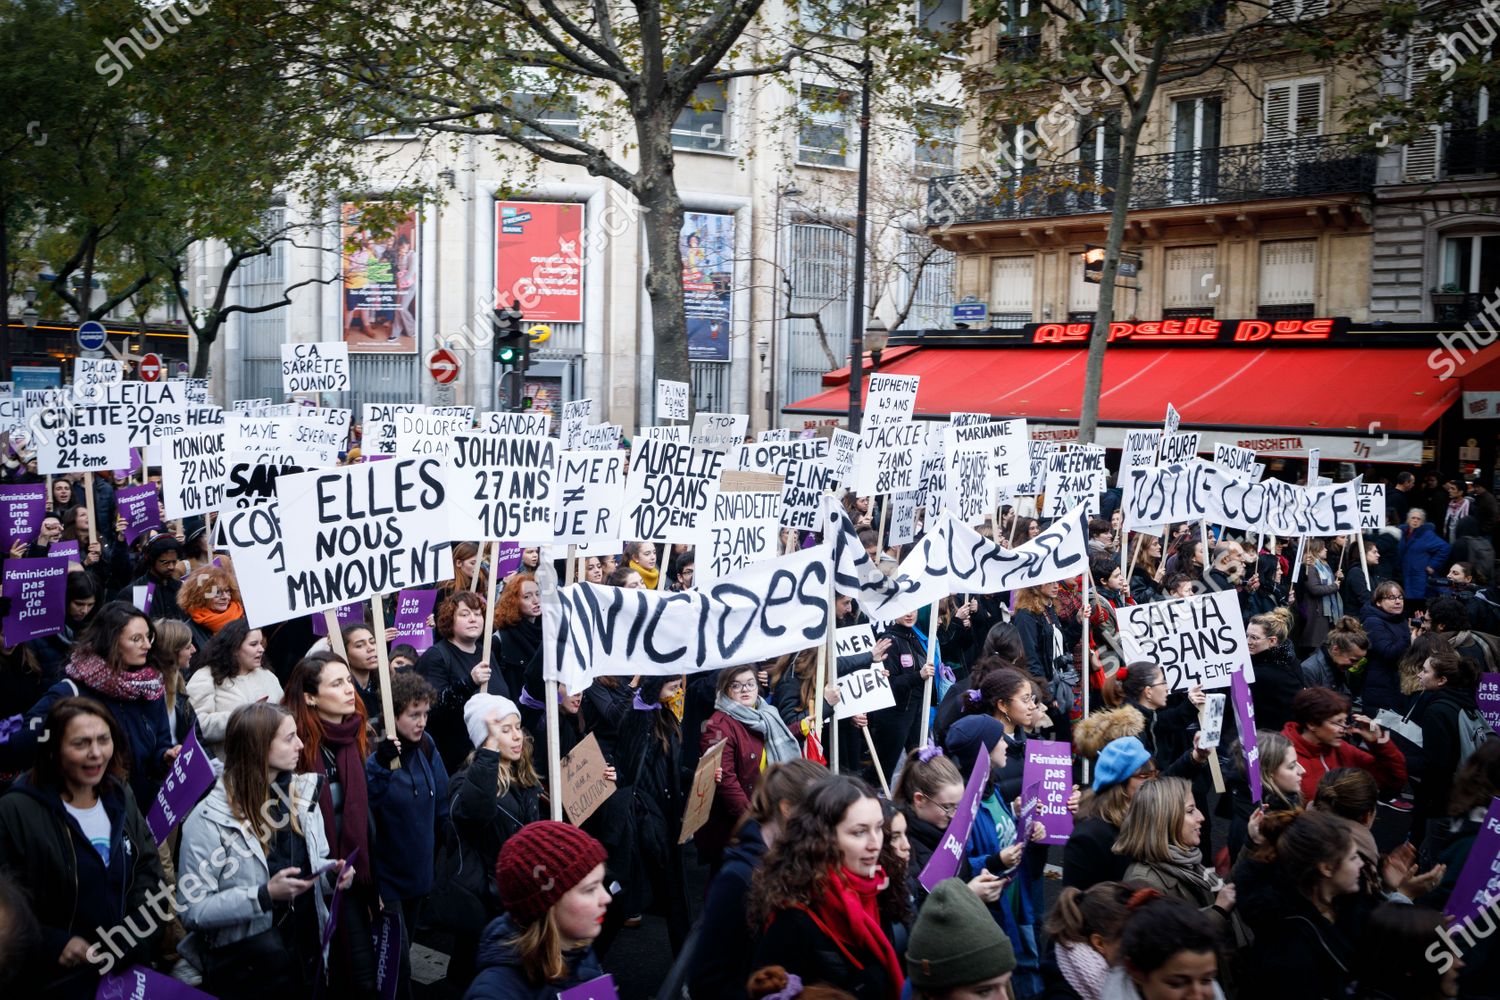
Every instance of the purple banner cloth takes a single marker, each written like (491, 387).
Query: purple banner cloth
(135, 466)
(333, 904)
(602, 988)
(1489, 700)
(191, 777)
(140, 508)
(1244, 717)
(509, 559)
(1478, 885)
(66, 550)
(349, 614)
(140, 983)
(21, 511)
(10, 727)
(410, 625)
(945, 860)
(1049, 766)
(38, 593)
(387, 938)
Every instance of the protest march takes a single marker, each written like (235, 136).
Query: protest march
(400, 701)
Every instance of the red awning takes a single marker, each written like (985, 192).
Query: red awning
(1272, 390)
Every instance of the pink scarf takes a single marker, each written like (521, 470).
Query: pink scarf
(125, 685)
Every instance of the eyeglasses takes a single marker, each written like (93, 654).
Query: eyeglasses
(739, 686)
(948, 808)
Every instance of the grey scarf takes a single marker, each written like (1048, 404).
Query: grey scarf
(764, 721)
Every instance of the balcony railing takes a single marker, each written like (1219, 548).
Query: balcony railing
(1293, 168)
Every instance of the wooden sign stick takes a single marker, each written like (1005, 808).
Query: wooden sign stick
(489, 606)
(335, 634)
(383, 666)
(929, 682)
(88, 500)
(875, 758)
(554, 728)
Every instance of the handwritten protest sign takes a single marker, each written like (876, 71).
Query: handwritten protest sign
(1238, 462)
(1201, 491)
(854, 640)
(528, 423)
(775, 456)
(903, 518)
(37, 589)
(1371, 506)
(139, 508)
(592, 500)
(194, 473)
(315, 367)
(671, 400)
(950, 850)
(669, 486)
(719, 431)
(1139, 452)
(576, 415)
(1478, 884)
(21, 511)
(1179, 447)
(252, 474)
(1074, 478)
(1049, 765)
(92, 375)
(83, 439)
(701, 795)
(863, 691)
(502, 488)
(409, 624)
(802, 494)
(252, 536)
(599, 437)
(584, 786)
(890, 456)
(363, 530)
(773, 434)
(1195, 640)
(1211, 725)
(191, 775)
(843, 446)
(742, 525)
(379, 427)
(891, 398)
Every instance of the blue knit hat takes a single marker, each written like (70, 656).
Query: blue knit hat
(970, 737)
(1118, 761)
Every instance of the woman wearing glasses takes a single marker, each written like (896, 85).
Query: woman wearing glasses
(1320, 721)
(755, 737)
(1145, 689)
(1384, 619)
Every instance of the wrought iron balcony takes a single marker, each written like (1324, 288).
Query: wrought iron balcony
(1292, 168)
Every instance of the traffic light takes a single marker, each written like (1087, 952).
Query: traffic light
(510, 339)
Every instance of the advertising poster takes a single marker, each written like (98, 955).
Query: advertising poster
(707, 281)
(380, 284)
(544, 391)
(539, 260)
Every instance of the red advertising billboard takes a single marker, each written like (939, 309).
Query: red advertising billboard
(539, 259)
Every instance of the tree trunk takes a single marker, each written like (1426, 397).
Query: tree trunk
(205, 337)
(1093, 379)
(662, 215)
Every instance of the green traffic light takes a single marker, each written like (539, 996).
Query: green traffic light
(506, 355)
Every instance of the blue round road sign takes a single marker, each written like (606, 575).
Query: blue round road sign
(91, 335)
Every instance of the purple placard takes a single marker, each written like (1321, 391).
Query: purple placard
(412, 609)
(1049, 766)
(192, 775)
(508, 560)
(349, 614)
(602, 988)
(333, 903)
(21, 511)
(944, 861)
(1488, 697)
(135, 466)
(1244, 717)
(66, 550)
(1478, 885)
(38, 593)
(1031, 812)
(387, 939)
(140, 983)
(140, 509)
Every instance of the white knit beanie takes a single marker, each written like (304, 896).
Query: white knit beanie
(481, 707)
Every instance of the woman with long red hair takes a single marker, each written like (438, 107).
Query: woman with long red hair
(334, 730)
(518, 635)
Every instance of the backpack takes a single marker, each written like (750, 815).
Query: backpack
(1473, 732)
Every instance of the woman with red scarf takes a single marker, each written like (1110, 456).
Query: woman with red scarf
(814, 897)
(333, 727)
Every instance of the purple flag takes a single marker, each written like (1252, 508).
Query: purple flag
(140, 983)
(412, 609)
(1478, 885)
(21, 511)
(349, 614)
(66, 550)
(189, 780)
(140, 509)
(945, 860)
(1049, 766)
(1489, 700)
(38, 592)
(333, 904)
(387, 937)
(509, 559)
(602, 988)
(1244, 717)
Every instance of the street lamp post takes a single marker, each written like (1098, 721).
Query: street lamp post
(876, 337)
(857, 313)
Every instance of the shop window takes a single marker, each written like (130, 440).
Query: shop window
(1192, 284)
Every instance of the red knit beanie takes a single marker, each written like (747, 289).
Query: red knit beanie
(540, 863)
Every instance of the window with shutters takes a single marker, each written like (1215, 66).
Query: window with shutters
(1293, 109)
(1192, 283)
(1012, 285)
(1297, 10)
(823, 130)
(1419, 159)
(1082, 296)
(1288, 279)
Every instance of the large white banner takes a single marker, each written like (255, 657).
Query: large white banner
(768, 609)
(1198, 491)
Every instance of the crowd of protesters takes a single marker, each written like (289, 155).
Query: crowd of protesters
(1366, 667)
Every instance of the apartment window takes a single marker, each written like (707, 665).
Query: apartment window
(925, 278)
(1293, 109)
(830, 17)
(368, 124)
(1471, 264)
(936, 149)
(1083, 297)
(1195, 148)
(1015, 142)
(823, 129)
(1012, 290)
(1288, 279)
(1192, 282)
(1297, 10)
(937, 17)
(702, 124)
(540, 99)
(1098, 160)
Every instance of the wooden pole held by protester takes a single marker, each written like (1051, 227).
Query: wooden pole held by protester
(489, 606)
(335, 634)
(88, 500)
(875, 758)
(554, 726)
(383, 666)
(928, 682)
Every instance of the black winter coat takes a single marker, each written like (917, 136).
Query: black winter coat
(1088, 858)
(721, 961)
(1278, 678)
(1390, 637)
(794, 942)
(486, 821)
(1440, 746)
